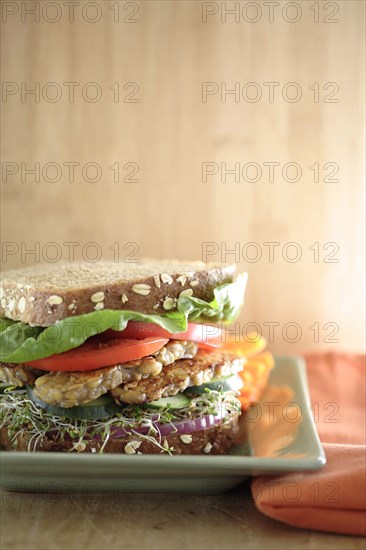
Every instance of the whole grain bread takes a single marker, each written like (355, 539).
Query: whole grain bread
(44, 294)
(212, 441)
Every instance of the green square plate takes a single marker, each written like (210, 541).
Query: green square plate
(282, 437)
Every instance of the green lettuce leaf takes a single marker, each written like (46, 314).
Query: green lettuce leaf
(21, 343)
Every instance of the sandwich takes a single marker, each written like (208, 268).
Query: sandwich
(121, 358)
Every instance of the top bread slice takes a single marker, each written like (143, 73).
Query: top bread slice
(44, 294)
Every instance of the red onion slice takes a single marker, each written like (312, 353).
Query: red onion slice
(180, 428)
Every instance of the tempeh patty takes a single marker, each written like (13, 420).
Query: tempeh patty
(68, 389)
(19, 375)
(178, 376)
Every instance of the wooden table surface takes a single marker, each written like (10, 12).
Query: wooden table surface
(230, 521)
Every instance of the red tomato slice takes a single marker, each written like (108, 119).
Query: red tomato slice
(207, 335)
(95, 354)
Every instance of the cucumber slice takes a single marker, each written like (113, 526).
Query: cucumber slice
(226, 383)
(100, 408)
(178, 401)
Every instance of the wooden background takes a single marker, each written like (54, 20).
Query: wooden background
(169, 132)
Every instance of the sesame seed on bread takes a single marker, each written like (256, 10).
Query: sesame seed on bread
(44, 294)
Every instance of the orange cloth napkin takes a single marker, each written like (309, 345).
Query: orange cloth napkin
(334, 497)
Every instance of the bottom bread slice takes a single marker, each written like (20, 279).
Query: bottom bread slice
(212, 441)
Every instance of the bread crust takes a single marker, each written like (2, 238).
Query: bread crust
(212, 441)
(42, 295)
